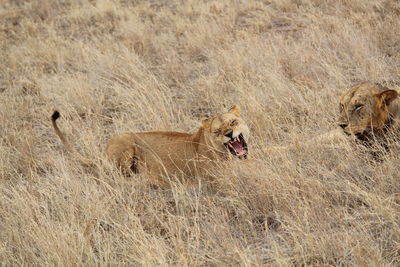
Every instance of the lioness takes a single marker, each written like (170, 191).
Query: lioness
(170, 153)
(369, 111)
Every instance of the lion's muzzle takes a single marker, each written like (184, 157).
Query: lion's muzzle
(237, 145)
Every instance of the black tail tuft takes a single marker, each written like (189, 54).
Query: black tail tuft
(55, 115)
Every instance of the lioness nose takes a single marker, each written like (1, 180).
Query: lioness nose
(343, 125)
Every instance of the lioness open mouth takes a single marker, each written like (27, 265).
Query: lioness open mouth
(237, 146)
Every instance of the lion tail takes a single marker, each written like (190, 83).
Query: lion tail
(64, 141)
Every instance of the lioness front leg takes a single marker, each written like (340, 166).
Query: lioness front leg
(332, 139)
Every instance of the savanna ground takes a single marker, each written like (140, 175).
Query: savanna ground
(115, 66)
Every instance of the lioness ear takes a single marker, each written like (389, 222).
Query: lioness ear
(235, 109)
(206, 123)
(388, 96)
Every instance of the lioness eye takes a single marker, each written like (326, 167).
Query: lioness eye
(233, 123)
(358, 107)
(217, 131)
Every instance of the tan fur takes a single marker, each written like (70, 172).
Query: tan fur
(334, 139)
(368, 110)
(173, 154)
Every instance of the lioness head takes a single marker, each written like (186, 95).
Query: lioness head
(364, 109)
(227, 132)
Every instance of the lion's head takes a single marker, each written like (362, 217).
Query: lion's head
(227, 133)
(365, 109)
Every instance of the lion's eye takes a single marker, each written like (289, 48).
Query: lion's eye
(217, 131)
(358, 107)
(234, 122)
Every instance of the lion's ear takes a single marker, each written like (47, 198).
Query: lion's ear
(205, 123)
(235, 109)
(388, 96)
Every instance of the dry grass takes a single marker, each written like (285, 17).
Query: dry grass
(114, 66)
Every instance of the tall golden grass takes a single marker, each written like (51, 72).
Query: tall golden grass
(116, 66)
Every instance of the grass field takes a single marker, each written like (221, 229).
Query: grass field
(116, 66)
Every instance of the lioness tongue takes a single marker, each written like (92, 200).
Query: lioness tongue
(237, 146)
